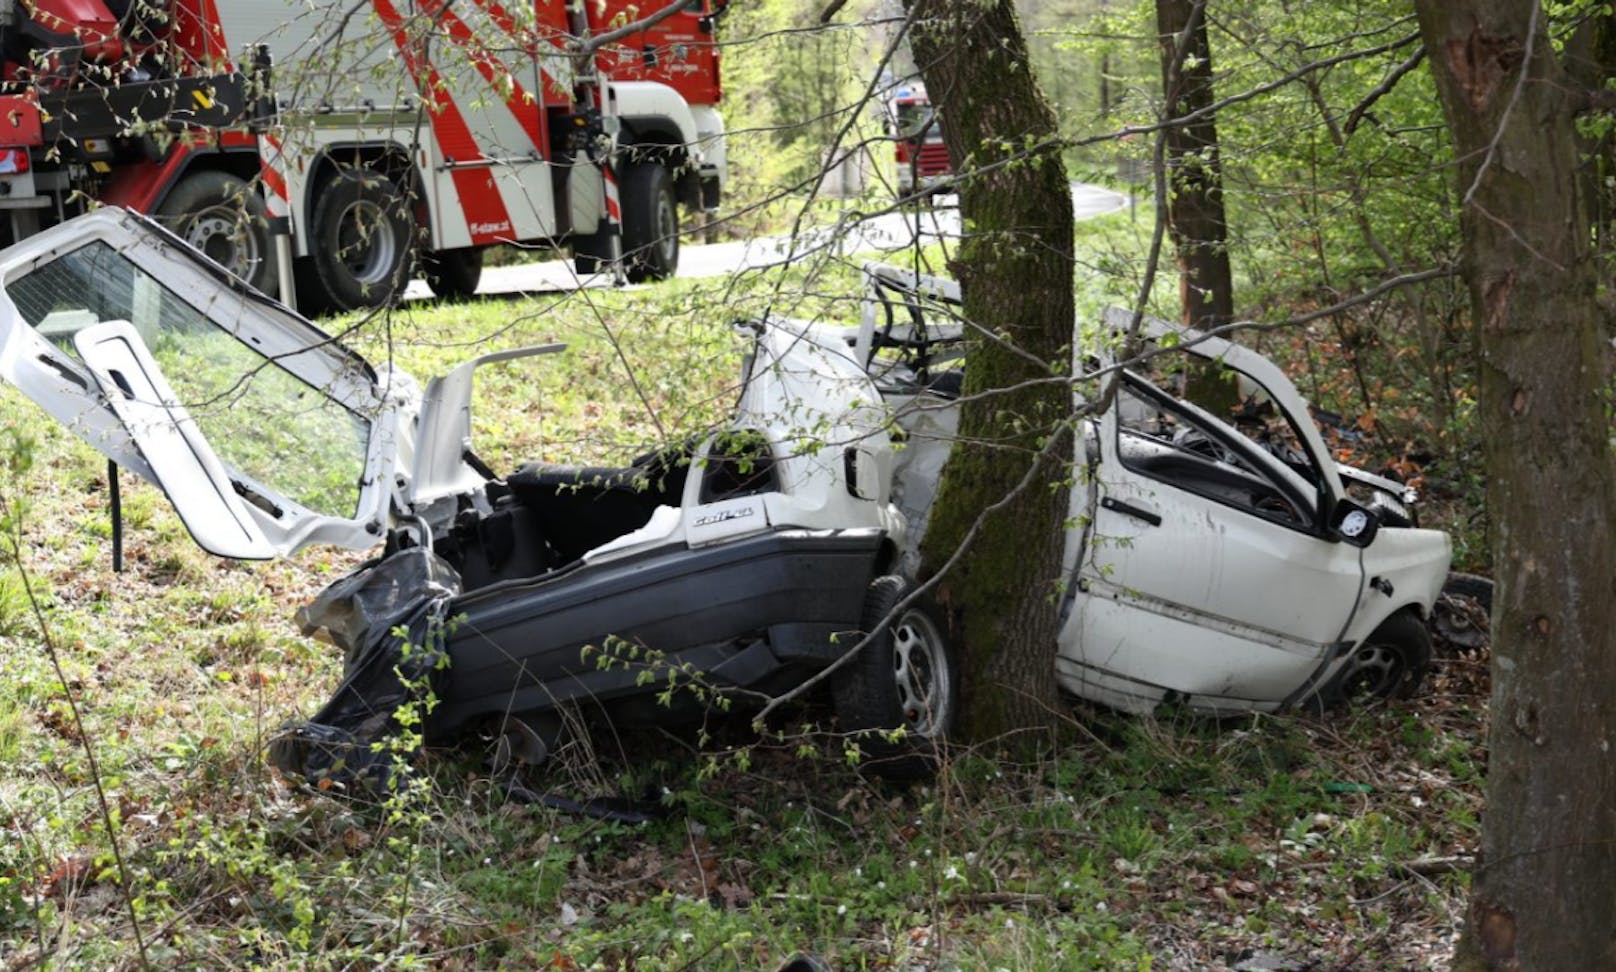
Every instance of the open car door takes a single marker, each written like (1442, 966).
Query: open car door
(264, 433)
(1209, 572)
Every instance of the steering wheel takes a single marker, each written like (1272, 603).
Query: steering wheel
(1195, 441)
(1277, 506)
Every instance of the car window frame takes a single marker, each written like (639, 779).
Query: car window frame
(61, 383)
(1260, 466)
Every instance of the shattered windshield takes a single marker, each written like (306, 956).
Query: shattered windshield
(915, 120)
(265, 423)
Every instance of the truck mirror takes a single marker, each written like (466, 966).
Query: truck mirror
(1352, 522)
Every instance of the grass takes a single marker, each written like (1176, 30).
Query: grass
(1140, 844)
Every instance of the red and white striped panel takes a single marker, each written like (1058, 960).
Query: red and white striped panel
(614, 205)
(272, 165)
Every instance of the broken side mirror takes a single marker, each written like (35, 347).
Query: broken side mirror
(1352, 522)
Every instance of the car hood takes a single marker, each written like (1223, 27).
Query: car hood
(265, 434)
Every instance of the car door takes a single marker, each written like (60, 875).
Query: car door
(1206, 572)
(264, 434)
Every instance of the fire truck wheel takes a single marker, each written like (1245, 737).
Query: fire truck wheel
(360, 246)
(453, 274)
(650, 223)
(226, 219)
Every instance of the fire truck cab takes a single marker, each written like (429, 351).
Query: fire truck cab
(917, 136)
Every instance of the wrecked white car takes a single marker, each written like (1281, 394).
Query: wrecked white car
(1220, 558)
(737, 565)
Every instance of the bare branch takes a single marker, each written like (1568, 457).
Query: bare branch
(1377, 30)
(1248, 95)
(1598, 99)
(1380, 289)
(831, 9)
(1381, 90)
(598, 41)
(1062, 142)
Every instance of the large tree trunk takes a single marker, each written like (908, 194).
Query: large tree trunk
(1015, 267)
(1195, 216)
(1544, 892)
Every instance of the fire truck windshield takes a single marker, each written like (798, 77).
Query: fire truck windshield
(917, 120)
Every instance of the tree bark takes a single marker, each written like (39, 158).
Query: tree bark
(1015, 268)
(1544, 891)
(1195, 215)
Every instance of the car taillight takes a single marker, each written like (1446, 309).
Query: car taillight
(13, 161)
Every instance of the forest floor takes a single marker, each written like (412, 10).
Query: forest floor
(1291, 842)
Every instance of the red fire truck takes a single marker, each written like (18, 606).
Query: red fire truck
(395, 135)
(918, 136)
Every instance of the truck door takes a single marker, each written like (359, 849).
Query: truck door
(1206, 573)
(679, 51)
(492, 180)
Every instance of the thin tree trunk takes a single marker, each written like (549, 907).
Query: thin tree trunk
(1590, 58)
(1195, 215)
(1015, 267)
(1544, 892)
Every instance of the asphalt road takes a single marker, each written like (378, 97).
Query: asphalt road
(886, 233)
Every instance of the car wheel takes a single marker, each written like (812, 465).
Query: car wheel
(1462, 614)
(224, 218)
(454, 274)
(515, 743)
(360, 249)
(1473, 586)
(905, 678)
(1390, 663)
(650, 223)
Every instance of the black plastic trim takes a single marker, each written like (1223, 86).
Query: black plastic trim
(520, 646)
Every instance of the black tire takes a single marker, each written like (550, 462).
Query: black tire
(224, 218)
(907, 677)
(1462, 616)
(1389, 664)
(650, 223)
(1473, 586)
(454, 274)
(361, 243)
